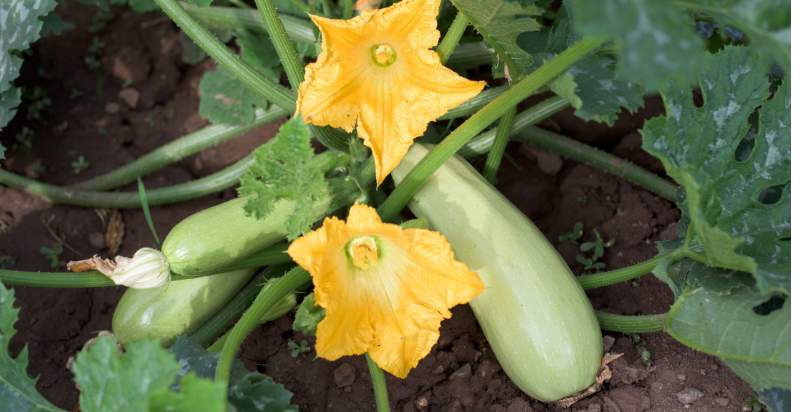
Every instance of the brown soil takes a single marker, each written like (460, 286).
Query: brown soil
(142, 53)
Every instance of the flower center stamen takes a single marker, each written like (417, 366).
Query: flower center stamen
(363, 252)
(383, 55)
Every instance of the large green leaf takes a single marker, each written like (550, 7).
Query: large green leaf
(657, 41)
(17, 389)
(591, 85)
(765, 22)
(224, 99)
(736, 203)
(501, 22)
(284, 170)
(721, 312)
(21, 26)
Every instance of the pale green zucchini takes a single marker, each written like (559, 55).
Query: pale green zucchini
(176, 308)
(534, 314)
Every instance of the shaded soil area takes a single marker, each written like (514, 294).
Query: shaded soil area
(93, 114)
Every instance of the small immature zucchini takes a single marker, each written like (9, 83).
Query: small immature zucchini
(177, 308)
(534, 314)
(213, 239)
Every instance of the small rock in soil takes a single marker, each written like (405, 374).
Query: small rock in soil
(630, 399)
(112, 108)
(97, 240)
(722, 401)
(344, 375)
(689, 395)
(463, 372)
(422, 402)
(608, 343)
(130, 96)
(519, 405)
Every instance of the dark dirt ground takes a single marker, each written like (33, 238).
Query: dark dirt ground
(142, 53)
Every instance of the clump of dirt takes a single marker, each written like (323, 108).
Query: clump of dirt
(142, 95)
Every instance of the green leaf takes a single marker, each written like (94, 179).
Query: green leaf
(776, 399)
(766, 23)
(736, 202)
(113, 381)
(17, 389)
(721, 312)
(54, 25)
(657, 41)
(501, 22)
(258, 52)
(256, 392)
(196, 394)
(224, 99)
(2, 152)
(284, 171)
(591, 85)
(22, 25)
(142, 6)
(308, 316)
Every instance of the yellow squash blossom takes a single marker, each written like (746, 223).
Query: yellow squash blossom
(377, 71)
(385, 289)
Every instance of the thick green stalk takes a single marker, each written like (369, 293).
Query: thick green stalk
(236, 19)
(268, 297)
(275, 93)
(221, 320)
(483, 142)
(498, 149)
(483, 118)
(347, 8)
(212, 183)
(630, 324)
(613, 277)
(176, 150)
(604, 161)
(280, 40)
(54, 279)
(452, 37)
(471, 54)
(378, 386)
(474, 104)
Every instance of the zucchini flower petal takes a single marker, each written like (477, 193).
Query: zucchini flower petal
(377, 74)
(385, 289)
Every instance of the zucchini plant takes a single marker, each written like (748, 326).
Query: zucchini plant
(362, 86)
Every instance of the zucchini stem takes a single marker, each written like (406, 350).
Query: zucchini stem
(266, 299)
(275, 93)
(176, 150)
(613, 277)
(498, 149)
(378, 385)
(398, 199)
(630, 324)
(207, 185)
(280, 40)
(452, 37)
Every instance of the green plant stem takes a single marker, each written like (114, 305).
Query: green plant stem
(273, 92)
(474, 104)
(378, 386)
(347, 8)
(465, 55)
(480, 120)
(237, 19)
(452, 37)
(630, 324)
(212, 183)
(498, 149)
(280, 40)
(612, 277)
(232, 310)
(55, 279)
(239, 3)
(176, 150)
(273, 255)
(267, 297)
(599, 159)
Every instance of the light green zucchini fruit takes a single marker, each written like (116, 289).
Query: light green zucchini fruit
(533, 312)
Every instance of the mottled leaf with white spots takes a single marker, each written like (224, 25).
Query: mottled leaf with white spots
(735, 177)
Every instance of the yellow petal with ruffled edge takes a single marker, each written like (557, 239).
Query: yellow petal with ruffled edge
(385, 289)
(377, 73)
